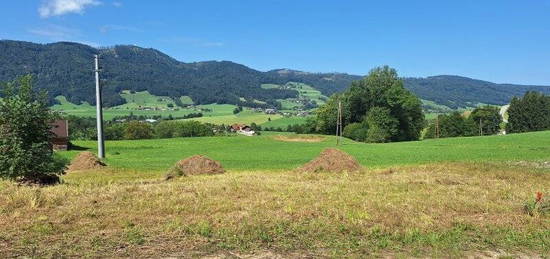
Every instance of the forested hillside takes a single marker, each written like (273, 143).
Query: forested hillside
(456, 91)
(66, 69)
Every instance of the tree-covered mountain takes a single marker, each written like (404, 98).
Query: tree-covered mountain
(66, 69)
(457, 91)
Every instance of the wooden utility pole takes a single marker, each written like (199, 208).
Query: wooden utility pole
(99, 112)
(339, 124)
(437, 126)
(480, 128)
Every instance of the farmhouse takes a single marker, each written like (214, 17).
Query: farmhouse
(60, 139)
(242, 129)
(270, 111)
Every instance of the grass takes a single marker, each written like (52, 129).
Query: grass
(266, 153)
(441, 210)
(284, 122)
(304, 92)
(441, 198)
(143, 99)
(245, 117)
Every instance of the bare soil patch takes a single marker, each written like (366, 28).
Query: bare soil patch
(300, 138)
(195, 165)
(85, 161)
(332, 160)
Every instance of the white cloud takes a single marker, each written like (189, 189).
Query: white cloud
(117, 4)
(60, 7)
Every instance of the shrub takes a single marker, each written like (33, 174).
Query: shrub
(138, 130)
(114, 131)
(173, 129)
(26, 153)
(356, 131)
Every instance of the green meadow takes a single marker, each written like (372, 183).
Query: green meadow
(284, 122)
(266, 153)
(450, 198)
(159, 106)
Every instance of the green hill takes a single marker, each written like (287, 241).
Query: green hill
(65, 69)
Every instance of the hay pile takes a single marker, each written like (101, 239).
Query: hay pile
(85, 161)
(332, 160)
(194, 165)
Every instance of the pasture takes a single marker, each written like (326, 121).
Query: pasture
(266, 153)
(442, 198)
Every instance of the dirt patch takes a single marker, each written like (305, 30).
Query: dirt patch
(299, 138)
(194, 165)
(332, 160)
(85, 161)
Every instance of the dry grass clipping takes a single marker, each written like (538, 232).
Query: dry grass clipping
(194, 165)
(129, 214)
(299, 138)
(85, 161)
(332, 160)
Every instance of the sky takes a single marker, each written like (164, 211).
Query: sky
(503, 41)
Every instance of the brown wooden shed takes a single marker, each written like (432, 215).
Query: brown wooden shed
(60, 140)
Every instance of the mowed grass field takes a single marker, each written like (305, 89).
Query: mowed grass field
(265, 153)
(459, 197)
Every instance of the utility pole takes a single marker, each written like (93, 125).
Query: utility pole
(339, 124)
(99, 112)
(480, 128)
(437, 126)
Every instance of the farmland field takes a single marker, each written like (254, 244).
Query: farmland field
(460, 197)
(268, 153)
(284, 122)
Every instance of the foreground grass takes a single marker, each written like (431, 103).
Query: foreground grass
(267, 153)
(448, 209)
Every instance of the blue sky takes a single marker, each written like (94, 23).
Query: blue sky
(495, 40)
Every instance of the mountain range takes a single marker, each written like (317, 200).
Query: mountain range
(66, 68)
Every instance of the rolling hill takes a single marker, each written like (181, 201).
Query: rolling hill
(65, 69)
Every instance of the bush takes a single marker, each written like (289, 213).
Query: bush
(173, 129)
(138, 130)
(26, 153)
(114, 131)
(356, 131)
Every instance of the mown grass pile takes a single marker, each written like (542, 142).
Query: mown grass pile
(438, 210)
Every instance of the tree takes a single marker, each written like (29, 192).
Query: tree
(26, 153)
(383, 89)
(382, 126)
(489, 118)
(529, 113)
(452, 125)
(455, 125)
(138, 130)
